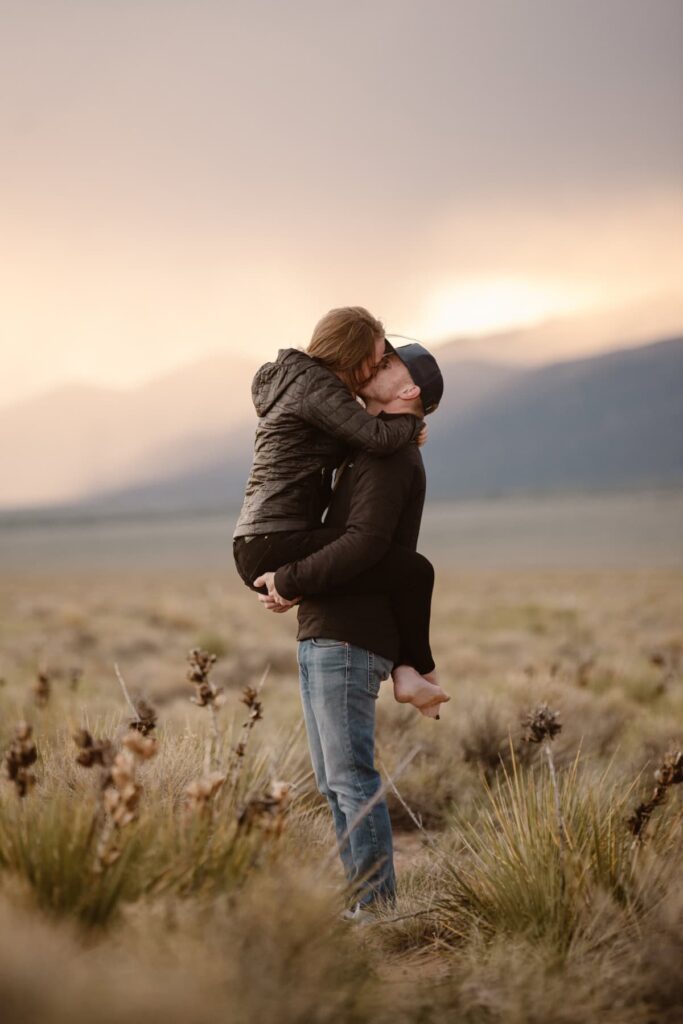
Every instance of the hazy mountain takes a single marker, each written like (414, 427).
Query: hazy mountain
(184, 441)
(609, 421)
(80, 440)
(216, 466)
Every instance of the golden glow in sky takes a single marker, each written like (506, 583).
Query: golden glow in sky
(180, 180)
(485, 305)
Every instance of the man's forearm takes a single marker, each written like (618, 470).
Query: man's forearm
(377, 497)
(335, 564)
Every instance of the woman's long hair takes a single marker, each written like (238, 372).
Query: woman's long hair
(344, 341)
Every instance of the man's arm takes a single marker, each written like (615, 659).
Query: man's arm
(380, 490)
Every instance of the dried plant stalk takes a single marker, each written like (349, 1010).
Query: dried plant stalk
(41, 688)
(20, 756)
(250, 698)
(144, 718)
(200, 793)
(669, 773)
(119, 790)
(541, 725)
(93, 752)
(268, 813)
(206, 694)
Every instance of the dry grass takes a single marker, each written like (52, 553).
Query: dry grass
(212, 896)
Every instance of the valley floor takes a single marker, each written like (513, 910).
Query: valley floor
(224, 905)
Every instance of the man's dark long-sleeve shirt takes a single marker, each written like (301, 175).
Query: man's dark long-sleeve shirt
(377, 503)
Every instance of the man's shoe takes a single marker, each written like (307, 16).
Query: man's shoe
(358, 915)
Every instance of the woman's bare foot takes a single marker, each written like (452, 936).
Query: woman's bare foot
(412, 688)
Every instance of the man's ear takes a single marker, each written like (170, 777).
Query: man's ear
(409, 392)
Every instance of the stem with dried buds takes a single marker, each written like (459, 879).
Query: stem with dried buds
(669, 773)
(20, 757)
(250, 698)
(206, 695)
(541, 726)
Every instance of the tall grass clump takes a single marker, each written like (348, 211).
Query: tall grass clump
(543, 847)
(115, 816)
(49, 841)
(224, 825)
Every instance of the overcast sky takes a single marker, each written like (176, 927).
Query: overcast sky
(179, 178)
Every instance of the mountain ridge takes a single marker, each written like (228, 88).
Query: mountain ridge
(198, 447)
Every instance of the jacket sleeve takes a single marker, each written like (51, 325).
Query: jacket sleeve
(378, 498)
(328, 405)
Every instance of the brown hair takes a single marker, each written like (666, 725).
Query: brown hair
(344, 340)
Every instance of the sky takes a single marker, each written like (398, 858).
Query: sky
(185, 178)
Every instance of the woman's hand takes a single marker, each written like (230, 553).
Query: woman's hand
(422, 436)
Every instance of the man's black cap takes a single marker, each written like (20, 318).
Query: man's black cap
(424, 369)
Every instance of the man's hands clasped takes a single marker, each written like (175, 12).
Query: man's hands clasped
(272, 601)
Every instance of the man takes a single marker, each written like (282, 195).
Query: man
(348, 642)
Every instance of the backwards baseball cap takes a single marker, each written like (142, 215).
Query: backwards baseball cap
(424, 370)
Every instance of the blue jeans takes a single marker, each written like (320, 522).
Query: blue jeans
(339, 687)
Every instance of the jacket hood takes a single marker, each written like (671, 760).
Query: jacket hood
(273, 379)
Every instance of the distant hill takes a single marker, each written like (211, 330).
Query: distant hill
(82, 443)
(81, 440)
(184, 442)
(217, 466)
(606, 422)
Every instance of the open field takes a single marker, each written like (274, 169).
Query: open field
(223, 904)
(638, 529)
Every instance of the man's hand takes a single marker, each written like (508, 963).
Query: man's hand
(268, 580)
(272, 605)
(273, 601)
(422, 436)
